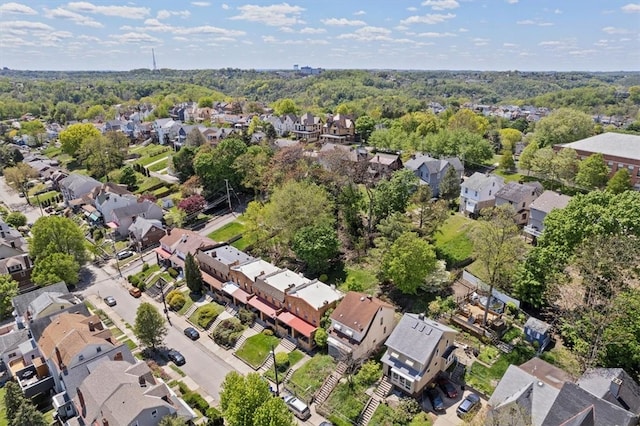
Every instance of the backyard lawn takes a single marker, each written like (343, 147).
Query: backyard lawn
(228, 231)
(485, 379)
(307, 379)
(256, 349)
(452, 240)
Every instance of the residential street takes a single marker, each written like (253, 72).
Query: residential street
(11, 199)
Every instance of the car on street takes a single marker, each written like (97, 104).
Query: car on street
(467, 407)
(436, 400)
(191, 333)
(297, 407)
(110, 301)
(135, 292)
(176, 357)
(124, 254)
(447, 387)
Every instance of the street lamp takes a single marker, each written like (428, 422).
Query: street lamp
(113, 242)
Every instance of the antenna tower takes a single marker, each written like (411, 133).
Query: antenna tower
(153, 55)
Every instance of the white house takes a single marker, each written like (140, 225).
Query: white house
(479, 192)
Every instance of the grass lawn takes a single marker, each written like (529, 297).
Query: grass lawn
(159, 165)
(452, 240)
(3, 413)
(294, 358)
(227, 231)
(186, 306)
(485, 379)
(143, 275)
(43, 198)
(509, 177)
(149, 184)
(256, 349)
(306, 380)
(131, 344)
(206, 314)
(116, 332)
(144, 161)
(362, 278)
(478, 270)
(347, 400)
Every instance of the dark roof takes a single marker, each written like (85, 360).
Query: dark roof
(37, 326)
(416, 337)
(550, 200)
(573, 400)
(21, 302)
(10, 341)
(537, 325)
(514, 191)
(613, 385)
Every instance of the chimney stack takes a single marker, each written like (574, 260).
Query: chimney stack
(91, 326)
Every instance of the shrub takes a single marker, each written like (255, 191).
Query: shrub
(98, 234)
(206, 315)
(246, 316)
(173, 273)
(145, 266)
(134, 280)
(16, 219)
(369, 373)
(267, 332)
(282, 361)
(176, 300)
(227, 332)
(214, 416)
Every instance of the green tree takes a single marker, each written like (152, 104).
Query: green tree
(192, 274)
(215, 165)
(274, 412)
(72, 137)
(57, 234)
(507, 162)
(284, 106)
(365, 125)
(253, 166)
(27, 414)
(205, 102)
(450, 184)
(526, 157)
(408, 262)
(321, 337)
(253, 125)
(498, 248)
(195, 138)
(392, 195)
(172, 420)
(566, 164)
(182, 163)
(465, 119)
(94, 112)
(102, 154)
(18, 176)
(509, 138)
(8, 290)
(544, 163)
(54, 268)
(592, 172)
(16, 219)
(429, 213)
(564, 125)
(316, 246)
(13, 400)
(242, 396)
(619, 182)
(128, 177)
(150, 327)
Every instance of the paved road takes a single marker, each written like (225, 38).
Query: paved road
(11, 199)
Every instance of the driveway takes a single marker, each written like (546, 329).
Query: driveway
(449, 417)
(11, 199)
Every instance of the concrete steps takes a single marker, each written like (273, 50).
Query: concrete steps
(368, 411)
(257, 327)
(247, 333)
(330, 383)
(288, 345)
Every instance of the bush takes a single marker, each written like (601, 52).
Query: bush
(214, 416)
(176, 300)
(145, 266)
(206, 315)
(282, 361)
(369, 373)
(16, 219)
(173, 273)
(227, 332)
(267, 332)
(98, 234)
(134, 280)
(246, 316)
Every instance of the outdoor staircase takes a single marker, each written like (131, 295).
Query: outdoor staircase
(247, 333)
(288, 345)
(266, 365)
(287, 376)
(379, 394)
(257, 327)
(191, 310)
(457, 375)
(232, 309)
(330, 383)
(218, 320)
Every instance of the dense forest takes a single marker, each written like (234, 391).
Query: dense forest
(383, 93)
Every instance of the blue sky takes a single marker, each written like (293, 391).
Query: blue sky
(527, 35)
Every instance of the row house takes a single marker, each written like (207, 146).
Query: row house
(283, 125)
(540, 208)
(76, 185)
(519, 196)
(176, 244)
(307, 127)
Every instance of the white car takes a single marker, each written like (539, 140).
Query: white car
(124, 254)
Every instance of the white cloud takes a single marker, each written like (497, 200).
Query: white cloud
(224, 6)
(463, 30)
(441, 4)
(135, 38)
(76, 18)
(360, 13)
(509, 45)
(631, 8)
(26, 26)
(532, 22)
(429, 18)
(368, 34)
(343, 22)
(276, 15)
(157, 26)
(200, 3)
(512, 1)
(557, 12)
(614, 30)
(412, 9)
(480, 41)
(312, 30)
(553, 43)
(273, 40)
(287, 29)
(128, 12)
(436, 35)
(583, 52)
(180, 38)
(17, 8)
(164, 14)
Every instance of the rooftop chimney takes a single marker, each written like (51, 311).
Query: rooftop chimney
(118, 356)
(59, 358)
(421, 316)
(91, 326)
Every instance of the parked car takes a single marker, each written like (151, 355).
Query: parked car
(110, 301)
(297, 407)
(176, 357)
(436, 400)
(470, 404)
(191, 333)
(135, 292)
(124, 254)
(447, 387)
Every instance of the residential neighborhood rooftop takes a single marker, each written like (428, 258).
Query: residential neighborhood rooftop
(550, 200)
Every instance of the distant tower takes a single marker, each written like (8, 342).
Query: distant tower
(153, 55)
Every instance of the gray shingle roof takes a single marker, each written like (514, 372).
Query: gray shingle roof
(21, 302)
(479, 181)
(614, 144)
(416, 338)
(141, 226)
(550, 200)
(613, 385)
(10, 341)
(537, 325)
(74, 181)
(516, 192)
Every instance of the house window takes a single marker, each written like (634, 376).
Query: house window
(384, 330)
(490, 194)
(381, 320)
(523, 205)
(80, 357)
(154, 413)
(524, 215)
(466, 190)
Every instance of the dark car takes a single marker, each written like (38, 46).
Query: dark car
(436, 399)
(470, 404)
(176, 357)
(110, 301)
(191, 333)
(447, 387)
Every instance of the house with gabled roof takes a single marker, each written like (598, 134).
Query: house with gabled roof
(177, 243)
(22, 303)
(308, 127)
(216, 262)
(431, 171)
(541, 207)
(146, 232)
(383, 164)
(76, 185)
(122, 217)
(418, 349)
(19, 267)
(479, 192)
(360, 324)
(519, 196)
(339, 129)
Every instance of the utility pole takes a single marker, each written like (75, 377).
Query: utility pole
(164, 301)
(226, 182)
(275, 370)
(113, 242)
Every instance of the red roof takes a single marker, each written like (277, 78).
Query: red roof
(215, 283)
(164, 254)
(296, 323)
(262, 307)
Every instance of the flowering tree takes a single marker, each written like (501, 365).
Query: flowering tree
(192, 204)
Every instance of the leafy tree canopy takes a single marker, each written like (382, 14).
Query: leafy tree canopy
(54, 268)
(72, 137)
(592, 172)
(316, 246)
(408, 262)
(620, 182)
(57, 234)
(8, 290)
(563, 125)
(150, 327)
